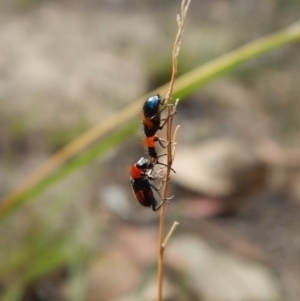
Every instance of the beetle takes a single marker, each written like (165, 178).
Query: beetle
(140, 177)
(150, 144)
(151, 116)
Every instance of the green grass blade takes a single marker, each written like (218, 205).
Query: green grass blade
(184, 86)
(91, 154)
(196, 78)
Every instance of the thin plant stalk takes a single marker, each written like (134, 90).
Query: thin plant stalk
(161, 241)
(175, 224)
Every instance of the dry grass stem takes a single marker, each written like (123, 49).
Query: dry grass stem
(180, 20)
(175, 224)
(174, 141)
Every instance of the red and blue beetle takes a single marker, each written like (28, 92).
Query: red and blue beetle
(151, 116)
(140, 178)
(141, 171)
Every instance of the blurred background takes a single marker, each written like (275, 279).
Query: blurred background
(65, 66)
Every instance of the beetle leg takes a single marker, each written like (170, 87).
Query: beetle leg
(164, 200)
